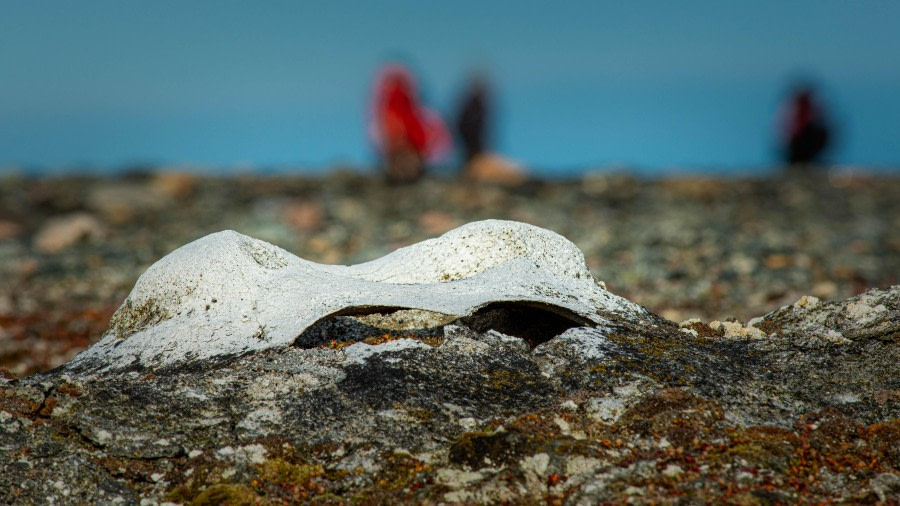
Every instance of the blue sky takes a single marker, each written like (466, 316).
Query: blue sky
(659, 85)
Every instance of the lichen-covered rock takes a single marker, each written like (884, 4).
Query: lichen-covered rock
(227, 294)
(514, 402)
(865, 317)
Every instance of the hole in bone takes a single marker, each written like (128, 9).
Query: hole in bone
(535, 323)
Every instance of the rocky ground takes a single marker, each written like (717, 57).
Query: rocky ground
(799, 406)
(71, 248)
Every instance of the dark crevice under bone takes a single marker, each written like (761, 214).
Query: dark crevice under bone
(534, 323)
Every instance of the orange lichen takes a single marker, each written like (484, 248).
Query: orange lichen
(70, 390)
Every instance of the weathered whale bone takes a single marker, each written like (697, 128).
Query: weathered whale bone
(226, 294)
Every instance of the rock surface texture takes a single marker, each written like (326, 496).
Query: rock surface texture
(485, 366)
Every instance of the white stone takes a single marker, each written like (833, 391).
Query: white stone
(569, 405)
(807, 301)
(225, 451)
(454, 478)
(578, 465)
(537, 463)
(102, 436)
(744, 477)
(605, 409)
(255, 453)
(734, 330)
(632, 490)
(672, 470)
(227, 293)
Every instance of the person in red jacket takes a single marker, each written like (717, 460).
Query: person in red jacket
(407, 133)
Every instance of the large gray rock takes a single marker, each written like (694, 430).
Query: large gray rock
(565, 395)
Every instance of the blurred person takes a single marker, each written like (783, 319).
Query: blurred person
(806, 133)
(407, 133)
(473, 119)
